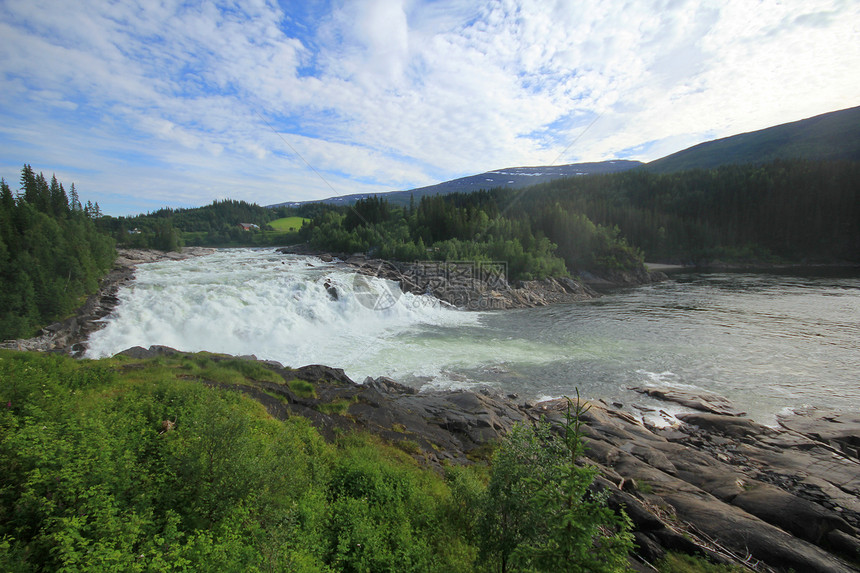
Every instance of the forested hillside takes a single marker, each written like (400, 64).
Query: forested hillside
(472, 227)
(790, 211)
(51, 254)
(826, 137)
(211, 225)
(784, 211)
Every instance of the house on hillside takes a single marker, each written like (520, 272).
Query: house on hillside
(249, 227)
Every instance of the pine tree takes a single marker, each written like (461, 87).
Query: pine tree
(59, 200)
(74, 200)
(28, 185)
(43, 194)
(7, 202)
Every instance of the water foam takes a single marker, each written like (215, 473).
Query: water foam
(297, 310)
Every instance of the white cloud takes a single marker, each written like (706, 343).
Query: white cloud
(392, 94)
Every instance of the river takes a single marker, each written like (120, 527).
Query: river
(768, 342)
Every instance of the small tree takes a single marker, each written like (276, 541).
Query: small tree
(540, 512)
(74, 200)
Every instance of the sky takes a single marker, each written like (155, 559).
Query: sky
(151, 103)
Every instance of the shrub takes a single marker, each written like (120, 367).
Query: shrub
(539, 512)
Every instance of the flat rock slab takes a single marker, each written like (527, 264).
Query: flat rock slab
(701, 400)
(839, 429)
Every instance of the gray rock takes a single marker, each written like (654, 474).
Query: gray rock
(140, 353)
(697, 400)
(800, 517)
(839, 429)
(728, 425)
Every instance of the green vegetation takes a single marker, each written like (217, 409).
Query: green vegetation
(338, 407)
(468, 227)
(288, 224)
(215, 225)
(782, 211)
(830, 136)
(51, 254)
(302, 388)
(537, 512)
(133, 465)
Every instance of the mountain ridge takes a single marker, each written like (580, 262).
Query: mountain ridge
(829, 136)
(509, 177)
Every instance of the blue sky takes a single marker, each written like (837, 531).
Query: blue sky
(152, 103)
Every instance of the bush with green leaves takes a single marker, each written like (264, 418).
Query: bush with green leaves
(539, 511)
(133, 466)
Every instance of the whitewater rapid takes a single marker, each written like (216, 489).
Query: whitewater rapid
(294, 309)
(766, 342)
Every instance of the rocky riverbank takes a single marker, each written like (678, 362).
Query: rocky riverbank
(472, 286)
(771, 499)
(69, 336)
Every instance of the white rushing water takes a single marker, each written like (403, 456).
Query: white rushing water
(297, 310)
(766, 342)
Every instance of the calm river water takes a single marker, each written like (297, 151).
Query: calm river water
(768, 342)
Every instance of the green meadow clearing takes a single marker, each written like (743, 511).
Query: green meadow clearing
(288, 223)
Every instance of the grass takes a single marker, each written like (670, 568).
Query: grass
(288, 223)
(408, 446)
(302, 388)
(339, 407)
(483, 453)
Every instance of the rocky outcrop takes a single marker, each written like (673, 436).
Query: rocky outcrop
(754, 491)
(69, 336)
(130, 258)
(473, 287)
(773, 499)
(697, 400)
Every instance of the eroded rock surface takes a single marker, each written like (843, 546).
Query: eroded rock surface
(473, 288)
(477, 287)
(695, 399)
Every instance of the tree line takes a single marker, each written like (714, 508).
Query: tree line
(216, 224)
(51, 253)
(472, 227)
(784, 211)
(787, 210)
